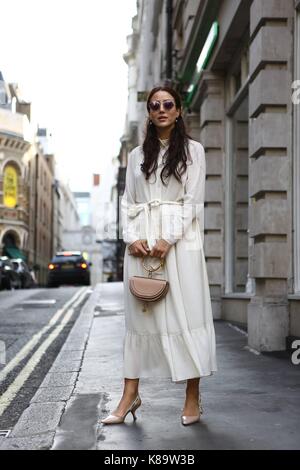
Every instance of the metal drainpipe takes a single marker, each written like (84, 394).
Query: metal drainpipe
(169, 68)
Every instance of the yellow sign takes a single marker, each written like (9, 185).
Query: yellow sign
(10, 187)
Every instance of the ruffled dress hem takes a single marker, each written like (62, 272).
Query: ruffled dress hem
(180, 356)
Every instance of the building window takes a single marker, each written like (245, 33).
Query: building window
(239, 73)
(238, 244)
(237, 237)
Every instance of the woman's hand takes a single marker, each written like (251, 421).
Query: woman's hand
(139, 248)
(161, 249)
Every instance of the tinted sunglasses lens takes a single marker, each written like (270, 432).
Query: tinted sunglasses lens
(154, 105)
(168, 105)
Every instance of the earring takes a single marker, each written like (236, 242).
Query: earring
(150, 123)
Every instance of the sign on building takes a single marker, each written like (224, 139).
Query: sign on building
(10, 187)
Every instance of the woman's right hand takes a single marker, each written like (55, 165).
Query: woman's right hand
(139, 248)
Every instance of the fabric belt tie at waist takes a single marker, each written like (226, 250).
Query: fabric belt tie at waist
(135, 209)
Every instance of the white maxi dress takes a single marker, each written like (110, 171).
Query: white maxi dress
(175, 336)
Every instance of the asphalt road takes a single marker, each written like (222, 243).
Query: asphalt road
(34, 325)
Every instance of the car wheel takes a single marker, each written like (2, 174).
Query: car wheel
(8, 284)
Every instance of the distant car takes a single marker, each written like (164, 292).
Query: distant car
(9, 277)
(68, 267)
(23, 270)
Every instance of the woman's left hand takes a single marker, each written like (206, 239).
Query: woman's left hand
(161, 249)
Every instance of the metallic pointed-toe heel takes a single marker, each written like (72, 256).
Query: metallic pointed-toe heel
(114, 419)
(187, 420)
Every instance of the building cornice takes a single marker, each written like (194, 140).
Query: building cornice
(11, 141)
(11, 224)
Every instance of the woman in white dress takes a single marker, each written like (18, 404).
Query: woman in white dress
(163, 217)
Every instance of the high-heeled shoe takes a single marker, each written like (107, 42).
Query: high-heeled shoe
(187, 420)
(114, 419)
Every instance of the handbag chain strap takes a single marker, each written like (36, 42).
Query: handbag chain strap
(151, 269)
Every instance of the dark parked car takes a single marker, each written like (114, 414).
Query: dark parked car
(68, 267)
(24, 273)
(9, 277)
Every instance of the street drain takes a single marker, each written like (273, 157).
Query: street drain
(4, 432)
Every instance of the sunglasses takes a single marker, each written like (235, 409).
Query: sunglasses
(167, 105)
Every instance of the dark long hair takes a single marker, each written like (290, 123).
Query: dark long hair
(177, 153)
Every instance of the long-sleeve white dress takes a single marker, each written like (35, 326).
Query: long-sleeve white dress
(175, 336)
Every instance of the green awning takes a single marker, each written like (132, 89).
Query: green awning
(14, 252)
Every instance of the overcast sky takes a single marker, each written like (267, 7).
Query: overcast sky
(66, 56)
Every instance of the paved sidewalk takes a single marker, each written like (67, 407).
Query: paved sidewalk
(252, 402)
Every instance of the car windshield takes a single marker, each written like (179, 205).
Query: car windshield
(68, 259)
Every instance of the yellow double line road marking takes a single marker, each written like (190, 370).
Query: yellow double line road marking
(20, 380)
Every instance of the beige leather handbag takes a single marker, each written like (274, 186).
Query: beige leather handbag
(148, 289)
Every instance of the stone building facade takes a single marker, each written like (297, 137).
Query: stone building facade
(15, 143)
(41, 220)
(30, 216)
(236, 65)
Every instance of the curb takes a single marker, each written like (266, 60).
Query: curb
(36, 427)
